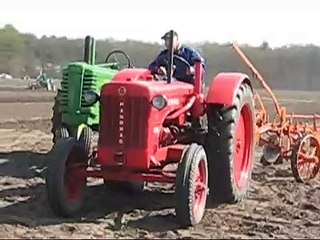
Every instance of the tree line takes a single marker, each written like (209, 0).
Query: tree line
(294, 67)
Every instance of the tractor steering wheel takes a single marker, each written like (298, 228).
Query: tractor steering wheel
(182, 60)
(129, 63)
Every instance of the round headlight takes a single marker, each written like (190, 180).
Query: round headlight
(159, 102)
(90, 97)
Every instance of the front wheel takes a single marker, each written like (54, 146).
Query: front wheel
(191, 185)
(230, 147)
(65, 179)
(60, 133)
(85, 136)
(58, 129)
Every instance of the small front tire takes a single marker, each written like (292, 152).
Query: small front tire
(86, 139)
(64, 182)
(191, 185)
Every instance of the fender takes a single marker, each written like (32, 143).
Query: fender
(224, 87)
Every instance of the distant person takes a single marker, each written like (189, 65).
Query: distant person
(158, 66)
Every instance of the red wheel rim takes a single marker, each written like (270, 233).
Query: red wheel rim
(308, 158)
(200, 189)
(73, 181)
(242, 148)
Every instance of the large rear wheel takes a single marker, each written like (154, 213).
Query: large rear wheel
(230, 147)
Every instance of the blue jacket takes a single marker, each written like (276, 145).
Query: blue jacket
(187, 53)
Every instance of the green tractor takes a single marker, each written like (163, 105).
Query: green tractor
(43, 81)
(71, 115)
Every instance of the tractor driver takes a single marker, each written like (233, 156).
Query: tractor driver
(158, 66)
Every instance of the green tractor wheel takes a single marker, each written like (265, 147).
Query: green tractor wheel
(61, 132)
(58, 130)
(85, 135)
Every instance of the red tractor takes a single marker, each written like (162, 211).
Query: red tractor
(146, 135)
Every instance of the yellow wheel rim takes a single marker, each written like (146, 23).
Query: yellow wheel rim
(80, 128)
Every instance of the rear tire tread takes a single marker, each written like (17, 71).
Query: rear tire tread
(220, 146)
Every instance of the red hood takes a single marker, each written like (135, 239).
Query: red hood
(140, 82)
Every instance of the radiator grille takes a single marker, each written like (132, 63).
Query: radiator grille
(124, 121)
(63, 96)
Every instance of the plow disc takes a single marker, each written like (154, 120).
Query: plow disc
(271, 156)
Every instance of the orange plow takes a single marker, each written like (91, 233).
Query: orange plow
(288, 136)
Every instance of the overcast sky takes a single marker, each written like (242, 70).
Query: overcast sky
(279, 22)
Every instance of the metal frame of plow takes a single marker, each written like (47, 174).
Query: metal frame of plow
(288, 136)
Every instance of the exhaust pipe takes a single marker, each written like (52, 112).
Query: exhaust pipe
(89, 50)
(170, 63)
